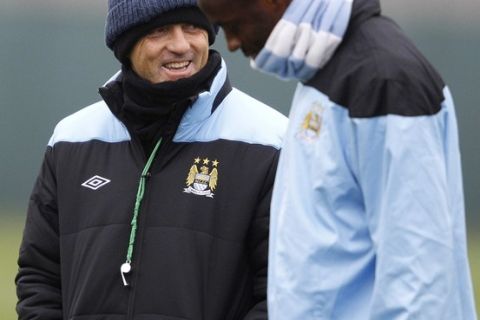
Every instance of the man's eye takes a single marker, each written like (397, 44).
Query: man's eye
(158, 31)
(190, 27)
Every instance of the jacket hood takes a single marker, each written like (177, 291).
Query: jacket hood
(362, 10)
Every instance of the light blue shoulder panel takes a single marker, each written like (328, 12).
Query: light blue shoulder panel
(239, 118)
(95, 122)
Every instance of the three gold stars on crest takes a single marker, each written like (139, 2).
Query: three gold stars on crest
(206, 161)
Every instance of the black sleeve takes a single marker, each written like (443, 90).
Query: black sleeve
(38, 278)
(258, 246)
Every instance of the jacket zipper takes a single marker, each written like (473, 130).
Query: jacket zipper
(140, 232)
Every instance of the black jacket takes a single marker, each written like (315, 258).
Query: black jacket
(200, 250)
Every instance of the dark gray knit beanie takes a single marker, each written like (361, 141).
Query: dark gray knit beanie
(123, 15)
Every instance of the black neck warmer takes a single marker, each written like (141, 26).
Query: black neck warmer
(151, 111)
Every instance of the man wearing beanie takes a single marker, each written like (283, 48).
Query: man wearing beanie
(153, 203)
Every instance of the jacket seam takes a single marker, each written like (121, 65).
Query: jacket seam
(158, 227)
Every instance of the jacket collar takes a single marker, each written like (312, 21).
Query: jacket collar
(362, 10)
(208, 101)
(304, 39)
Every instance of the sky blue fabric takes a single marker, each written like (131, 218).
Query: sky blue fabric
(329, 17)
(239, 117)
(368, 217)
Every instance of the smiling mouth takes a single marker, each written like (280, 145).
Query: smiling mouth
(177, 66)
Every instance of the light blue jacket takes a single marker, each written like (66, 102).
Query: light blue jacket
(368, 210)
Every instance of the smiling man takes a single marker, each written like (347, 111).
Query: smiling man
(368, 216)
(154, 203)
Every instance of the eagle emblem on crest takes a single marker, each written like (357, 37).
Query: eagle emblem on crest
(312, 123)
(202, 178)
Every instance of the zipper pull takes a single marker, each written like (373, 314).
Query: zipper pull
(124, 269)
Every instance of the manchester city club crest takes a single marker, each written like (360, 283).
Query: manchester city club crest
(312, 123)
(202, 178)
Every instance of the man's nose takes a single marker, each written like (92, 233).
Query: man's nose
(233, 43)
(178, 41)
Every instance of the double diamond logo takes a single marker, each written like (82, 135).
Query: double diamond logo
(95, 182)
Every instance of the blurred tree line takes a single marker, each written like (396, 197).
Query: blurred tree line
(53, 61)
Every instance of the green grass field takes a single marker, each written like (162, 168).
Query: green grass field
(10, 235)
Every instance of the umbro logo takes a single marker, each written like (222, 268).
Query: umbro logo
(95, 182)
